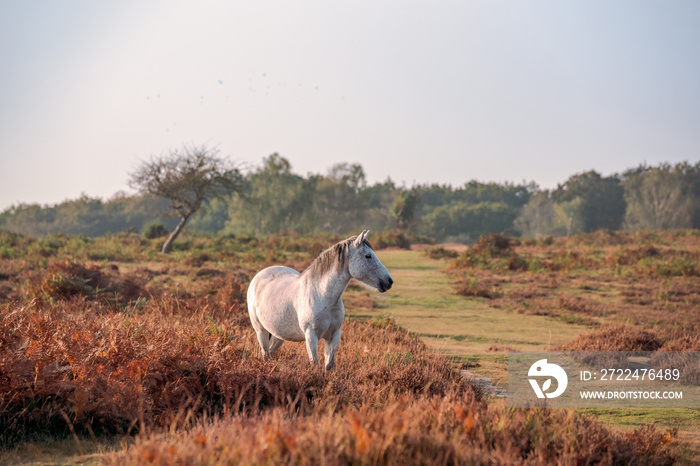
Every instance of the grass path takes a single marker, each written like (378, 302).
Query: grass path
(424, 302)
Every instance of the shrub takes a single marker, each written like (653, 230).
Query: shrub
(494, 245)
(155, 230)
(65, 279)
(470, 286)
(683, 343)
(495, 251)
(438, 252)
(616, 338)
(391, 238)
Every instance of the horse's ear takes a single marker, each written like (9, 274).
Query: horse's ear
(361, 238)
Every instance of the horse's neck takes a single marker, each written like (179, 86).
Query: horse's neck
(331, 286)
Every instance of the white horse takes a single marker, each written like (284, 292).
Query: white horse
(286, 305)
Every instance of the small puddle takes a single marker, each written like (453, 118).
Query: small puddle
(484, 383)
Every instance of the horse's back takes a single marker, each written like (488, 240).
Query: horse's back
(270, 301)
(276, 274)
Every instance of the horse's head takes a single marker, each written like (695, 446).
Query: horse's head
(366, 267)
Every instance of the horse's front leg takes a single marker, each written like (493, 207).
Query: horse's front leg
(329, 349)
(311, 344)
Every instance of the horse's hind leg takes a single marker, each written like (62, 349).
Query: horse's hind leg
(264, 341)
(261, 332)
(275, 343)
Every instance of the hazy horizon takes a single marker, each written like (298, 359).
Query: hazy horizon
(445, 92)
(248, 167)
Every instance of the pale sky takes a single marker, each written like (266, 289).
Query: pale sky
(422, 92)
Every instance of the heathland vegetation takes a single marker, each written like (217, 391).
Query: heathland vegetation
(107, 338)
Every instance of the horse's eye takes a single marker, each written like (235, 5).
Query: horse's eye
(368, 256)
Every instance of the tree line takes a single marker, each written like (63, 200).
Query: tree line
(272, 199)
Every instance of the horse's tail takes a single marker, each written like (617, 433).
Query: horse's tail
(250, 298)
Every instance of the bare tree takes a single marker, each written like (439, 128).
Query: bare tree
(190, 178)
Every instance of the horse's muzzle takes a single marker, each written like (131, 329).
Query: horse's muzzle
(385, 284)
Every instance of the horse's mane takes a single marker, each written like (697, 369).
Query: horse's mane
(333, 258)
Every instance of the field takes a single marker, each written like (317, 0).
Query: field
(111, 352)
(604, 291)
